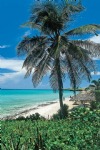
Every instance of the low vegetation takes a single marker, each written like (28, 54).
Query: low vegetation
(80, 131)
(97, 95)
(58, 114)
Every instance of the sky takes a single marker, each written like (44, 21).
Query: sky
(13, 14)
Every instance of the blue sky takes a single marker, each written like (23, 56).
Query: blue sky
(13, 13)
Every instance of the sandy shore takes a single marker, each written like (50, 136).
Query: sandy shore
(47, 110)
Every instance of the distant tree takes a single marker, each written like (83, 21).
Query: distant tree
(96, 84)
(54, 51)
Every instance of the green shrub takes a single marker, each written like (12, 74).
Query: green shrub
(78, 112)
(66, 134)
(20, 118)
(65, 113)
(97, 95)
(35, 116)
(94, 105)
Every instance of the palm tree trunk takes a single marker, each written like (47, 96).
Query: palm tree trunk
(60, 86)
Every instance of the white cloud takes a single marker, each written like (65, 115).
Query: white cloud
(95, 39)
(15, 77)
(4, 46)
(12, 64)
(27, 33)
(14, 80)
(95, 58)
(95, 73)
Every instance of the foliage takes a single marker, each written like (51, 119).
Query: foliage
(97, 95)
(32, 117)
(65, 112)
(83, 113)
(20, 118)
(94, 105)
(95, 84)
(79, 132)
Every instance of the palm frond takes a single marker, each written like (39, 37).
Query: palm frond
(31, 24)
(86, 69)
(73, 72)
(78, 52)
(41, 69)
(79, 59)
(91, 47)
(43, 65)
(46, 17)
(33, 59)
(24, 46)
(28, 72)
(69, 9)
(86, 29)
(29, 44)
(54, 79)
(49, 17)
(74, 49)
(82, 59)
(46, 63)
(79, 63)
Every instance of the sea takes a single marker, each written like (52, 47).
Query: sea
(16, 101)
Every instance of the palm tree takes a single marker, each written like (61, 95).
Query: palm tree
(96, 84)
(54, 51)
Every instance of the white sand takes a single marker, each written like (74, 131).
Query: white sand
(48, 110)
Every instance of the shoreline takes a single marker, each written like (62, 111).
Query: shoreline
(27, 109)
(46, 110)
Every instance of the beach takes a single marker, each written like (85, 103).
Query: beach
(46, 110)
(16, 103)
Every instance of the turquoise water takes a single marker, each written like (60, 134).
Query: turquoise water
(15, 101)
